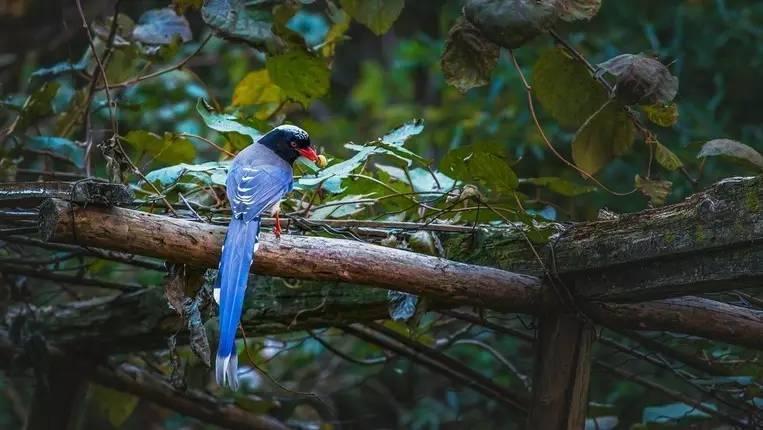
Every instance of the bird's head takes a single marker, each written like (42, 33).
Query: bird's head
(290, 142)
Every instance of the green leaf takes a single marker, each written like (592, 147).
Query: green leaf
(402, 306)
(231, 20)
(183, 5)
(393, 141)
(511, 23)
(37, 105)
(225, 122)
(336, 33)
(377, 15)
(389, 144)
(422, 179)
(656, 190)
(575, 10)
(211, 173)
(343, 210)
(559, 185)
(399, 135)
(115, 405)
(664, 115)
(565, 89)
(732, 149)
(666, 157)
(331, 177)
(102, 29)
(674, 413)
(474, 164)
(125, 63)
(607, 134)
(641, 79)
(58, 145)
(608, 422)
(169, 148)
(161, 27)
(256, 88)
(302, 77)
(56, 70)
(469, 58)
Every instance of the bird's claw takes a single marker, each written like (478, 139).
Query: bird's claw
(277, 229)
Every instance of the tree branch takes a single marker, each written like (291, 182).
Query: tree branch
(301, 257)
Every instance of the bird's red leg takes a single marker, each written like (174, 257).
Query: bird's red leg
(277, 228)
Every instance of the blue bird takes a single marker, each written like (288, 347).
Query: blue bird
(258, 178)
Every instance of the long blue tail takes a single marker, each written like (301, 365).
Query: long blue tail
(237, 257)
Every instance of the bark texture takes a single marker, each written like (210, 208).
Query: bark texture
(291, 256)
(562, 373)
(712, 241)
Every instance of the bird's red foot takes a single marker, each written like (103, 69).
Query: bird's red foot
(277, 228)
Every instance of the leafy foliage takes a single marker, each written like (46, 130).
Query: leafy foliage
(732, 149)
(377, 15)
(511, 23)
(301, 76)
(565, 89)
(606, 134)
(191, 85)
(469, 58)
(641, 80)
(161, 27)
(231, 19)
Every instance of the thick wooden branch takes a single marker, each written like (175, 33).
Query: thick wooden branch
(301, 257)
(31, 194)
(142, 320)
(712, 241)
(581, 255)
(689, 315)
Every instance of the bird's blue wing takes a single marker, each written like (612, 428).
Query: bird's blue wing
(250, 191)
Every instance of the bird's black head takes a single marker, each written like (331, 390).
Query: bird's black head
(290, 142)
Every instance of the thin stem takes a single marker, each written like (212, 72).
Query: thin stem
(210, 143)
(539, 127)
(168, 69)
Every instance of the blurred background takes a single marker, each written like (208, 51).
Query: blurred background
(377, 82)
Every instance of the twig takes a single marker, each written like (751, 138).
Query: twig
(347, 357)
(174, 67)
(101, 67)
(620, 372)
(210, 143)
(74, 280)
(461, 374)
(272, 380)
(93, 252)
(522, 377)
(190, 208)
(539, 127)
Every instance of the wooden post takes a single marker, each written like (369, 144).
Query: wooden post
(562, 374)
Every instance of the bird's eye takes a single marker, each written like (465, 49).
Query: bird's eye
(293, 144)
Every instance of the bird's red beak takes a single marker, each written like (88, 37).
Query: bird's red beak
(308, 153)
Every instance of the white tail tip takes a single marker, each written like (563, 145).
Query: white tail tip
(226, 371)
